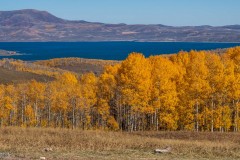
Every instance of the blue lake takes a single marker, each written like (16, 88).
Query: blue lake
(102, 50)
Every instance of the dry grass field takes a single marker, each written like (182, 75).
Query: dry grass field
(29, 143)
(13, 77)
(78, 65)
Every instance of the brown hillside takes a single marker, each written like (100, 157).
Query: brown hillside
(11, 76)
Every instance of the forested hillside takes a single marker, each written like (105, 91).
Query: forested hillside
(186, 91)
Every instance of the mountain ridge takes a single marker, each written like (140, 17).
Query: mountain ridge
(30, 25)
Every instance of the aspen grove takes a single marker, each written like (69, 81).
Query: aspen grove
(195, 90)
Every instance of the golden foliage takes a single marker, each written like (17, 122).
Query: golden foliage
(187, 91)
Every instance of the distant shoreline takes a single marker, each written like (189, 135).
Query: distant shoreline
(112, 42)
(31, 51)
(5, 53)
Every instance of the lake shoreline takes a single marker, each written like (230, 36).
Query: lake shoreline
(32, 51)
(5, 53)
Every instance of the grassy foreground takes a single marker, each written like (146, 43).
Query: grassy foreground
(29, 143)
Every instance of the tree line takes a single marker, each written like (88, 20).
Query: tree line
(195, 90)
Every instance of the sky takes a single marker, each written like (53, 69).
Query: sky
(167, 12)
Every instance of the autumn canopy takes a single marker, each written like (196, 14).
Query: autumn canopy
(186, 91)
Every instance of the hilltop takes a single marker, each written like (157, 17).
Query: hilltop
(33, 25)
(17, 71)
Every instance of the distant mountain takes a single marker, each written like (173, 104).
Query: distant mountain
(34, 25)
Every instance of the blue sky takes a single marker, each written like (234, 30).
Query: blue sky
(168, 12)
